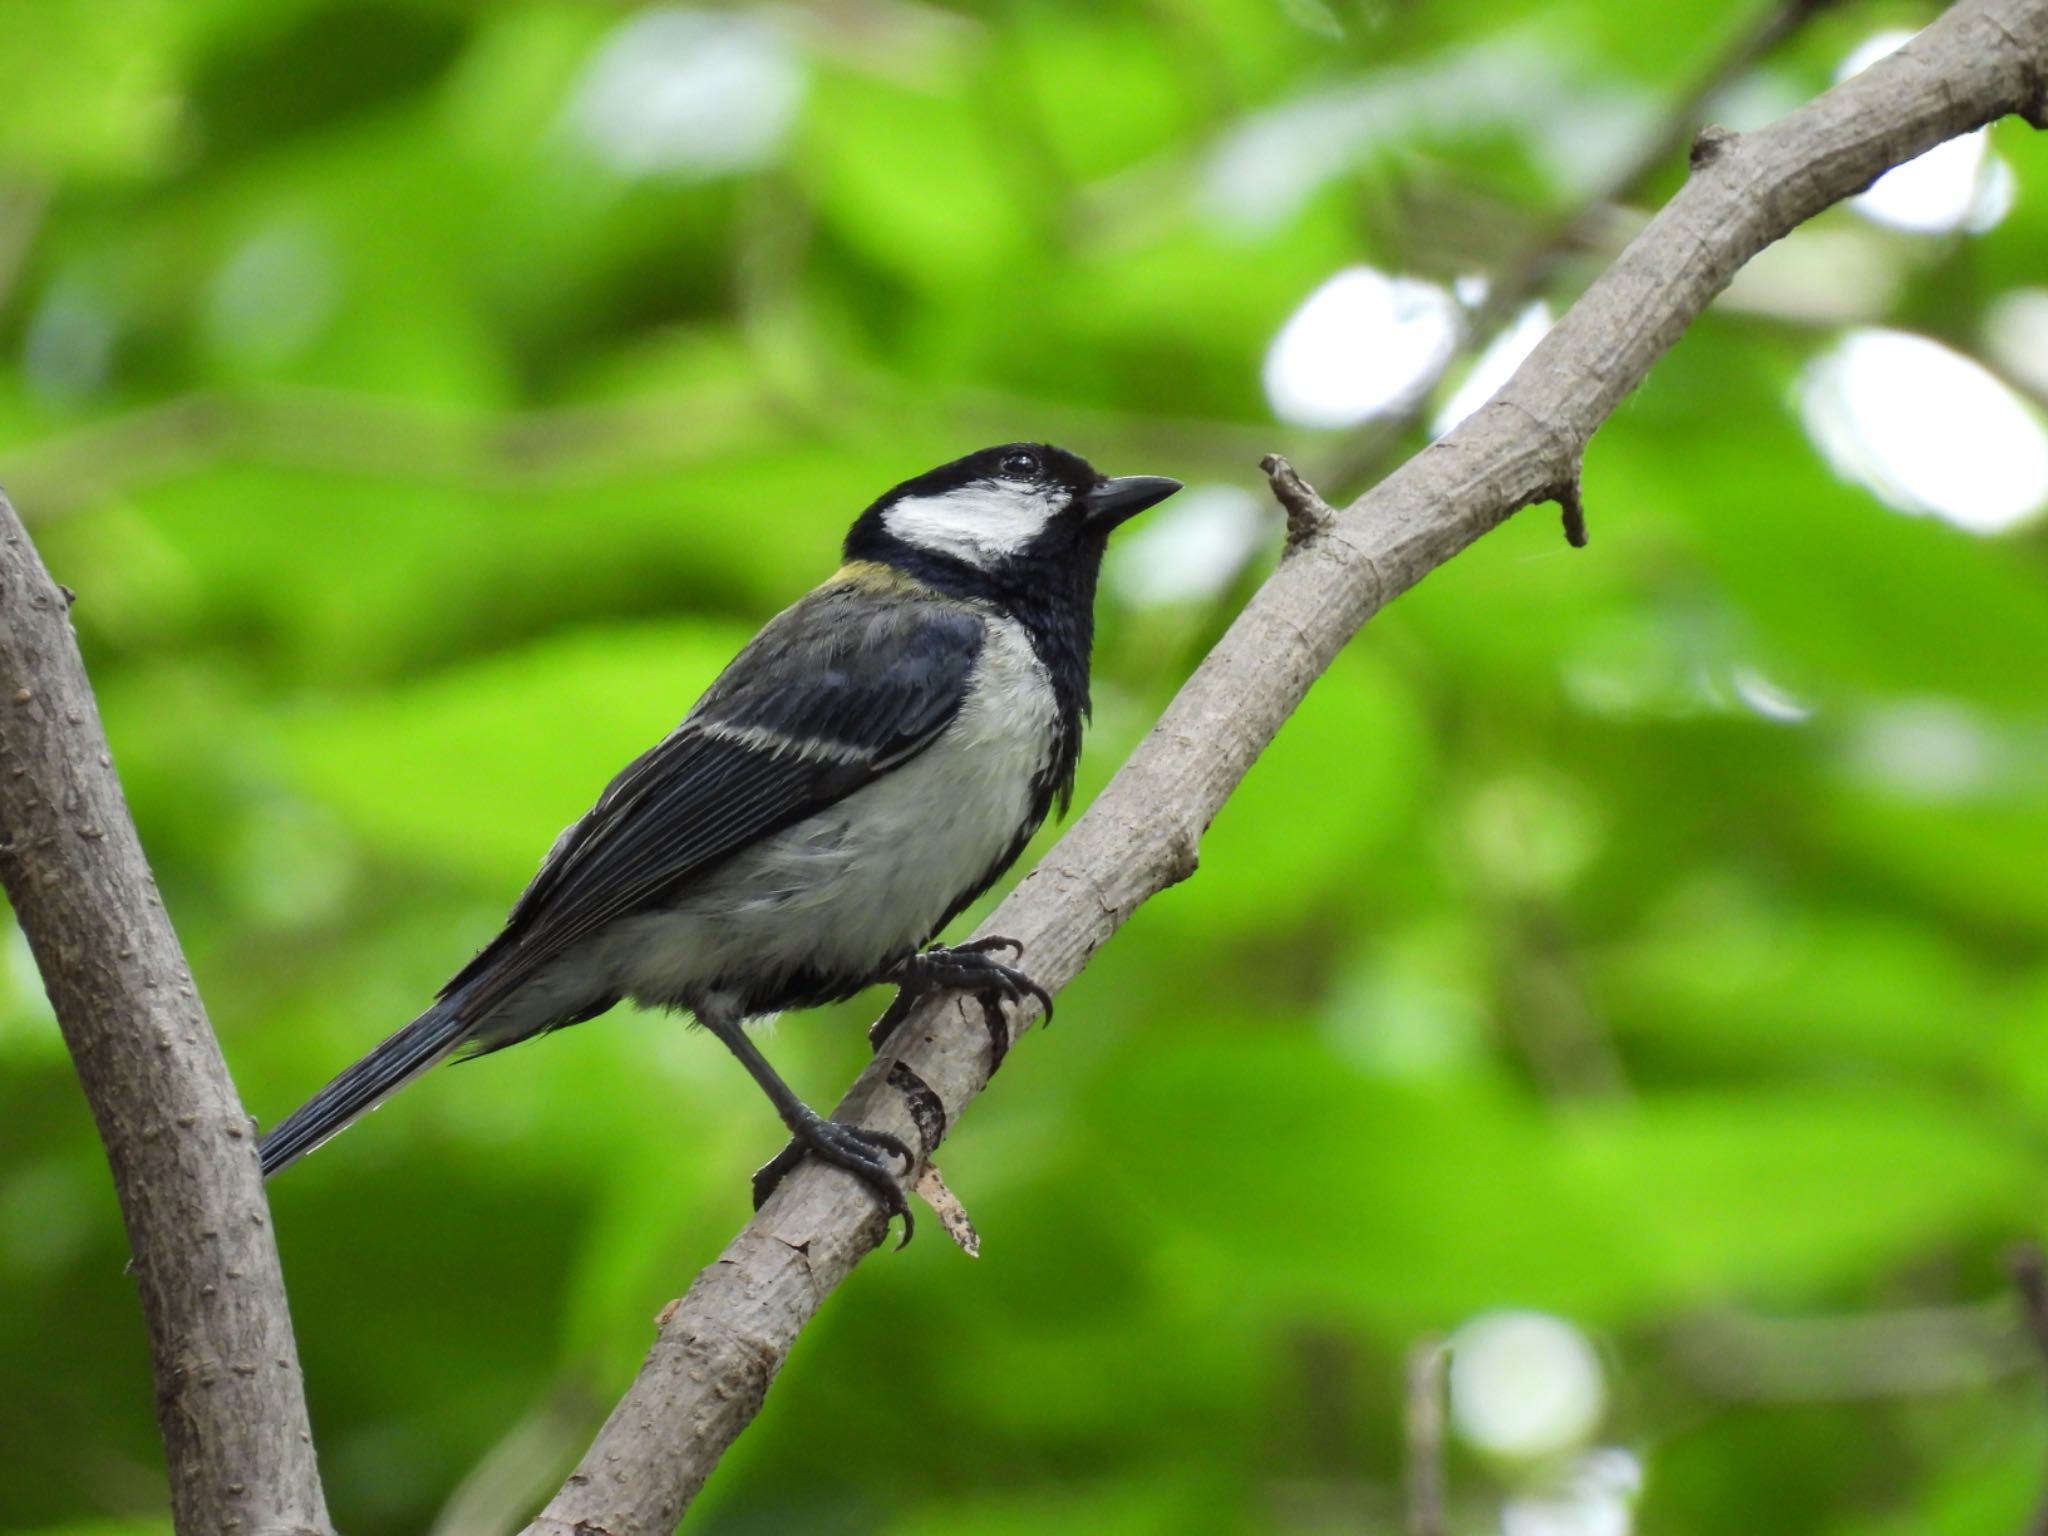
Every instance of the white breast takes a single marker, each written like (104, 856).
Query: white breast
(875, 874)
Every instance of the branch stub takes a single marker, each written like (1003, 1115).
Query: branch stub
(1307, 513)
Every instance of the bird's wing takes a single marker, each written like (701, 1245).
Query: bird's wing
(834, 692)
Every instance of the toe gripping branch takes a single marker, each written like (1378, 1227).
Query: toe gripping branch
(970, 967)
(867, 1154)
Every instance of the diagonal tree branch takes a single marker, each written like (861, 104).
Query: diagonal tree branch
(719, 1347)
(229, 1397)
(1530, 272)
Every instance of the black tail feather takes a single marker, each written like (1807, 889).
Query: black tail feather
(364, 1086)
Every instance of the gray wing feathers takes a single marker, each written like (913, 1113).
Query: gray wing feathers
(832, 693)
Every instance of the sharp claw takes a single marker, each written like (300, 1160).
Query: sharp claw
(892, 1016)
(1044, 1001)
(989, 946)
(769, 1176)
(1016, 986)
(894, 1144)
(843, 1146)
(946, 967)
(997, 1023)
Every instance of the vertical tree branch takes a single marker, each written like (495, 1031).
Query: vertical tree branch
(229, 1398)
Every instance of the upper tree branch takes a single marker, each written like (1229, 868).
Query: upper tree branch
(1532, 270)
(229, 1397)
(721, 1345)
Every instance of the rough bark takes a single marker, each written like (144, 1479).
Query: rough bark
(719, 1347)
(229, 1397)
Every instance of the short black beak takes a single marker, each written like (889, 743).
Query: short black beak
(1115, 500)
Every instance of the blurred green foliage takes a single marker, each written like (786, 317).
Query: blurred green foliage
(425, 398)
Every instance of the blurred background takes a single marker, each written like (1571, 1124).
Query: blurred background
(1629, 965)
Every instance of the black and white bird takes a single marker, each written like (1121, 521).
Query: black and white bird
(870, 763)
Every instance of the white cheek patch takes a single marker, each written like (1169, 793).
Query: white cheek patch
(981, 523)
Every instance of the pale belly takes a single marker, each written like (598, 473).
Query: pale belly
(847, 891)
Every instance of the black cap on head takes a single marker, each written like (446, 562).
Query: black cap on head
(1002, 508)
(1021, 463)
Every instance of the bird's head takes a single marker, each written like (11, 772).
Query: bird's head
(1017, 505)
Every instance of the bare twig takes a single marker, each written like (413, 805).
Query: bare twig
(717, 1352)
(1900, 1352)
(2030, 1278)
(1769, 29)
(1307, 513)
(953, 1218)
(1525, 275)
(229, 1397)
(1427, 1363)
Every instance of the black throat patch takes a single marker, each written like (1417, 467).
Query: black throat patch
(1048, 587)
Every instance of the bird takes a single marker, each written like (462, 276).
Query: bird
(871, 761)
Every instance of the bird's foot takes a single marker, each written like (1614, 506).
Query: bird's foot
(970, 967)
(863, 1153)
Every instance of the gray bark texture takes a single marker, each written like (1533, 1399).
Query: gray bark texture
(719, 1347)
(229, 1392)
(229, 1398)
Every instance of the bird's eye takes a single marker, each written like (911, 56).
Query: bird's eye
(1020, 465)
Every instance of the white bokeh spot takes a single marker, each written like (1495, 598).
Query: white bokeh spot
(1525, 1385)
(1932, 750)
(2016, 334)
(1958, 184)
(1769, 700)
(1362, 345)
(687, 93)
(1496, 365)
(1190, 549)
(1596, 1497)
(1926, 429)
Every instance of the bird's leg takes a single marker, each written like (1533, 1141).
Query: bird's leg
(863, 1153)
(970, 967)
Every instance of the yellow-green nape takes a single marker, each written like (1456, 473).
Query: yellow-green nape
(876, 577)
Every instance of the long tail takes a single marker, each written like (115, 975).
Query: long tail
(426, 1040)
